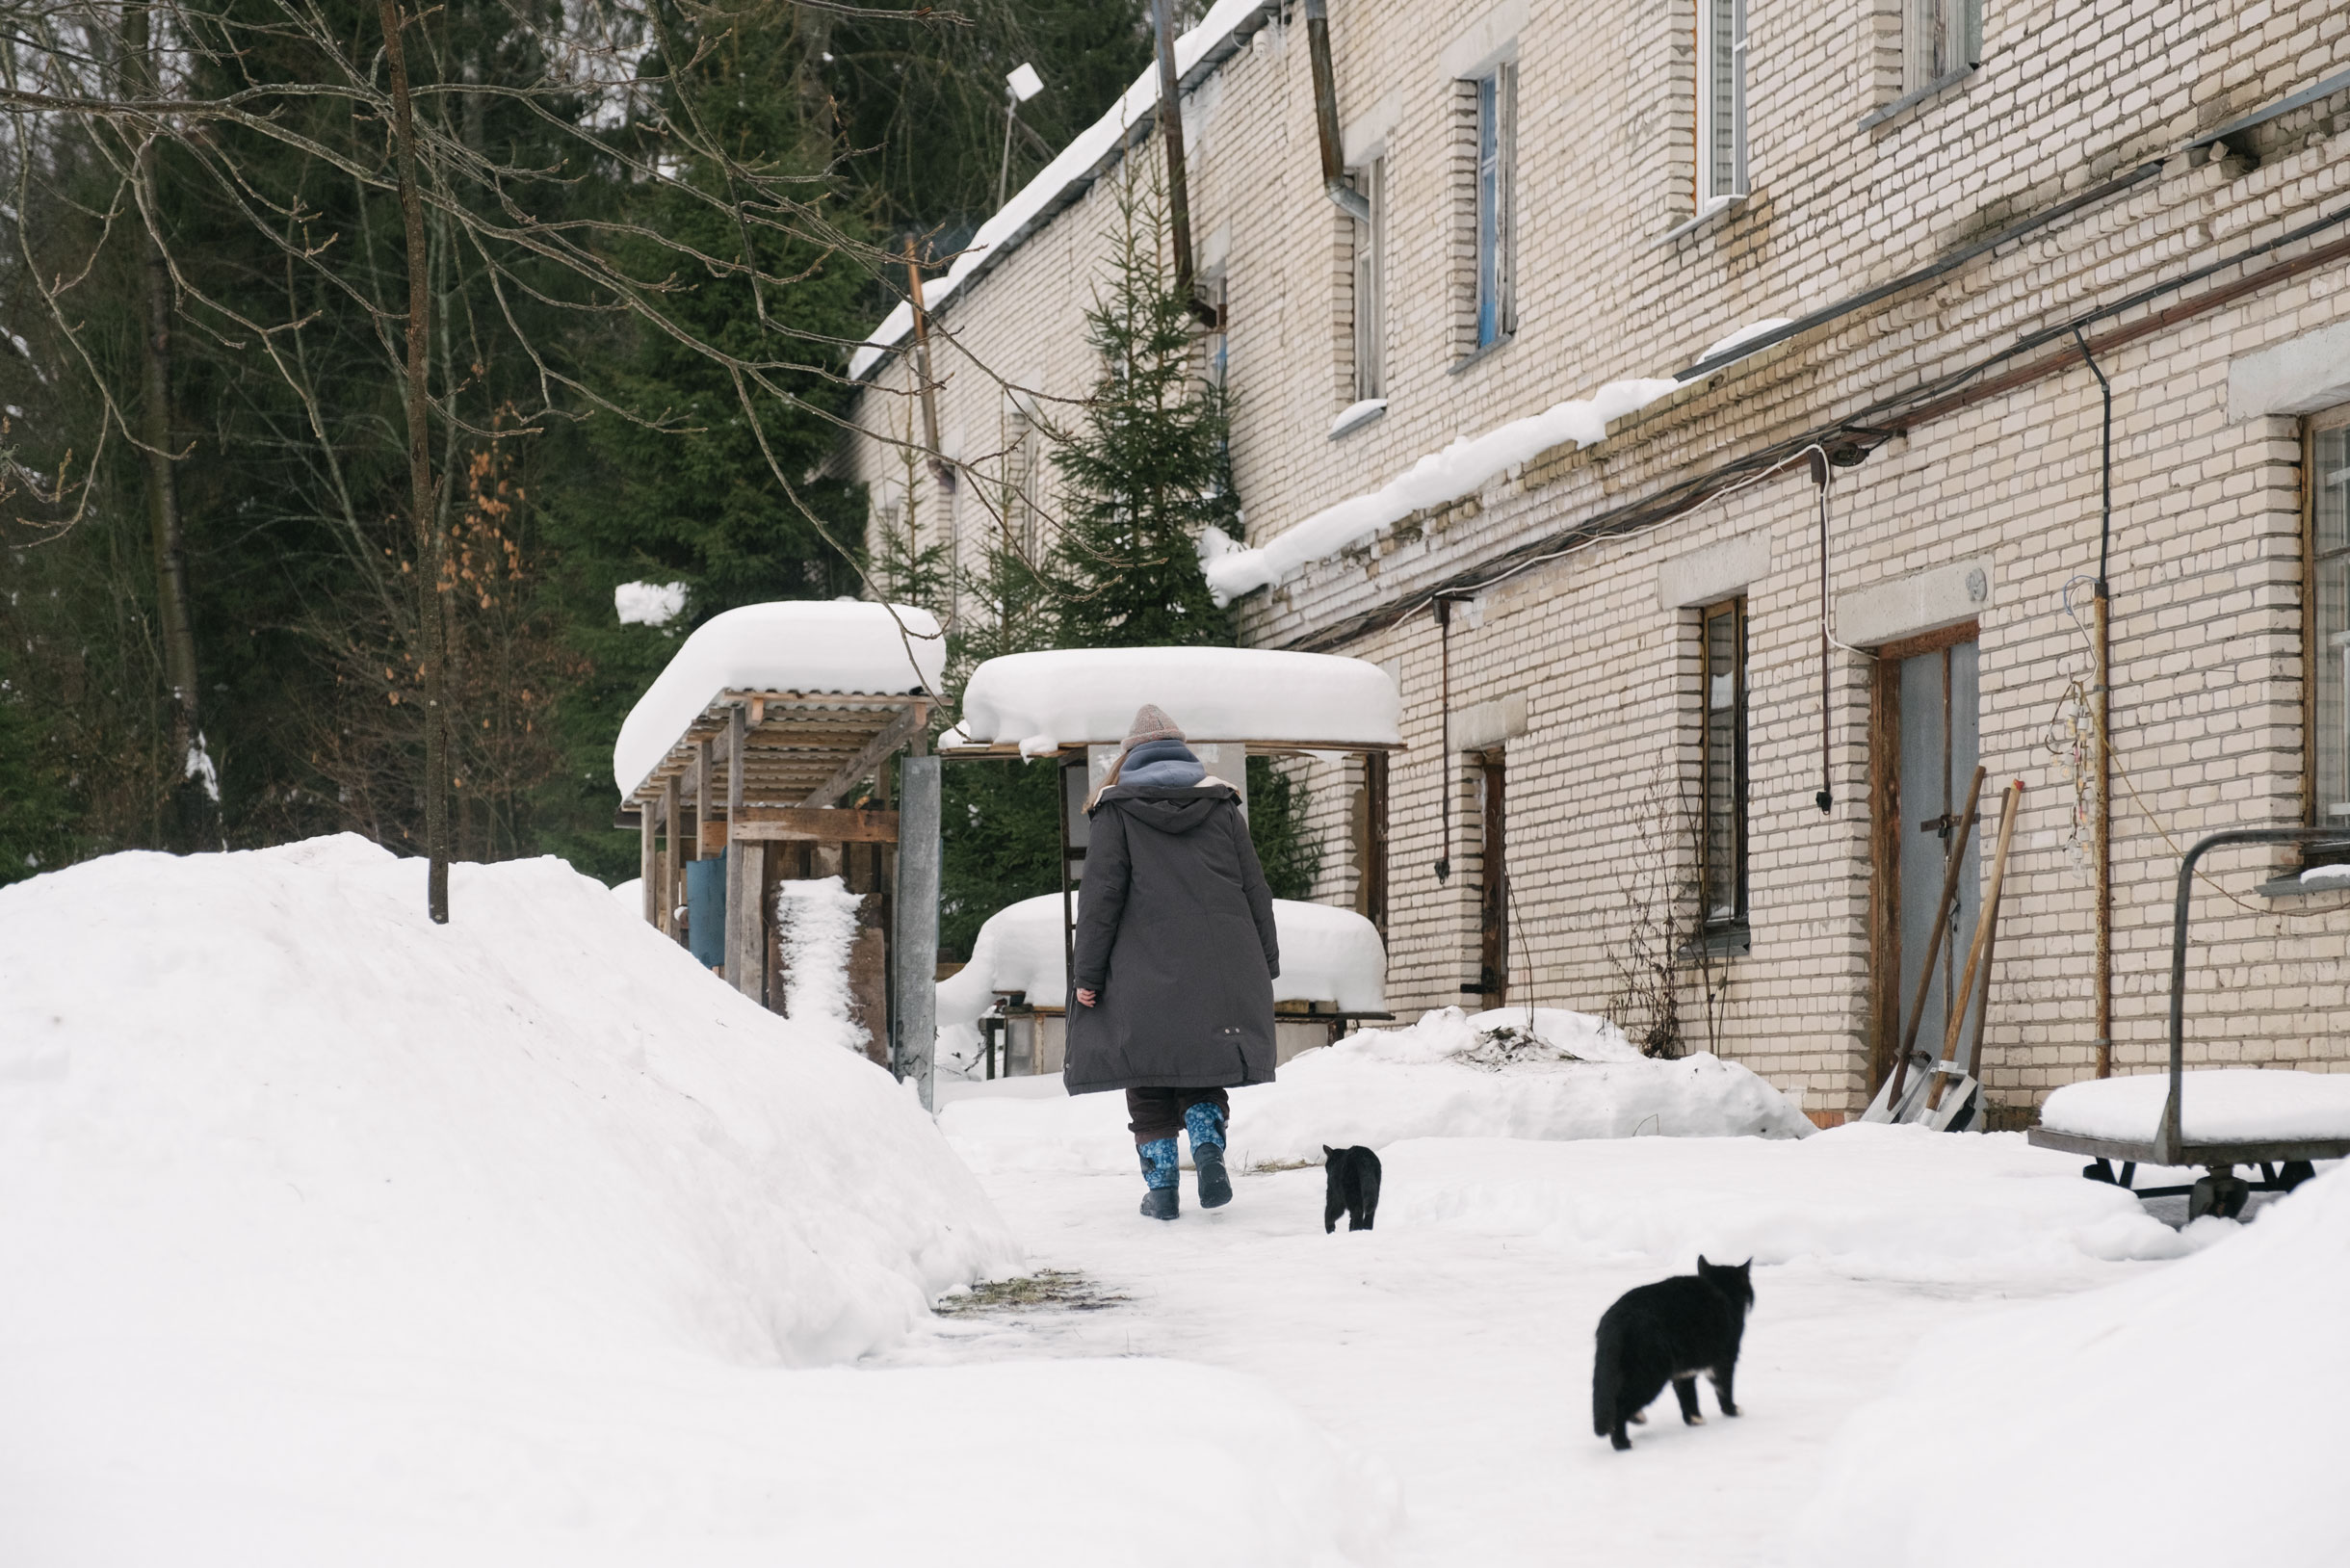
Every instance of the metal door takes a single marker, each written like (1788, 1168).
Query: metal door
(1938, 740)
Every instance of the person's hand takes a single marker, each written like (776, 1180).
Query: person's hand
(1086, 997)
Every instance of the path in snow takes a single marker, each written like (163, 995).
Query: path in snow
(1458, 1353)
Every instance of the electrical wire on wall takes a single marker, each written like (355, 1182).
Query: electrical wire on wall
(1443, 659)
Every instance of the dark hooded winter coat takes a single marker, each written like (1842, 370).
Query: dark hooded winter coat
(1175, 932)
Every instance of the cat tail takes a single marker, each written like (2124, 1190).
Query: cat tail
(1605, 1382)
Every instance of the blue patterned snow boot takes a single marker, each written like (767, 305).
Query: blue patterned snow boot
(1159, 1177)
(1205, 1125)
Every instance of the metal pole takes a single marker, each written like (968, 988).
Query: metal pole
(916, 1014)
(2101, 710)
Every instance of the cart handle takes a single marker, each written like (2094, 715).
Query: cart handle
(2169, 1145)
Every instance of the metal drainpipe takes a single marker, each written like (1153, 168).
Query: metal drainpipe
(2101, 708)
(1348, 201)
(1170, 125)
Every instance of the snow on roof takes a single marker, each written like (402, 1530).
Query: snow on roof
(1081, 696)
(1327, 954)
(2227, 1105)
(791, 646)
(1460, 469)
(1066, 177)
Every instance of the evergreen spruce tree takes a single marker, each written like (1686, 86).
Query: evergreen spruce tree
(1148, 467)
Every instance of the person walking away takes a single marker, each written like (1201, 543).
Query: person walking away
(1176, 956)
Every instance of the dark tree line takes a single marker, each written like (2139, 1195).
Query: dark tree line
(355, 352)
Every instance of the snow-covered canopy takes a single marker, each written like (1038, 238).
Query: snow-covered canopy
(1327, 954)
(794, 645)
(1088, 696)
(1067, 176)
(2221, 1104)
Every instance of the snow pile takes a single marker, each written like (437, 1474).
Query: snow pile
(816, 925)
(2221, 1104)
(1086, 156)
(1088, 696)
(334, 1236)
(1865, 1200)
(1436, 1079)
(792, 646)
(2239, 1350)
(2334, 875)
(650, 604)
(1460, 469)
(1327, 954)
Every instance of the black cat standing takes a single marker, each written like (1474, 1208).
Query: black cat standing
(1668, 1333)
(1355, 1188)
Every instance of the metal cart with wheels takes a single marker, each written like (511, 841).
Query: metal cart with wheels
(2283, 1164)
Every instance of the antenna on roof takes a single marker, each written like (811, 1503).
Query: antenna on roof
(1021, 84)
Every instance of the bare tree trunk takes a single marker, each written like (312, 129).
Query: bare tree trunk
(430, 567)
(196, 798)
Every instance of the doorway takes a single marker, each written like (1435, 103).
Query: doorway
(1493, 882)
(1925, 737)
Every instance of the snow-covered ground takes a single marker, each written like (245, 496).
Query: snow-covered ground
(334, 1237)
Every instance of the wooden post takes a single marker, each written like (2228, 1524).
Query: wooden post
(915, 1018)
(648, 865)
(671, 819)
(741, 955)
(746, 919)
(701, 796)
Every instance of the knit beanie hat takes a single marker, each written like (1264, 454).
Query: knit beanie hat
(1151, 723)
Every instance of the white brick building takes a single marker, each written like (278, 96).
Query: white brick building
(1940, 193)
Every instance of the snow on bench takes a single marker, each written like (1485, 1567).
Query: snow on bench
(1327, 954)
(2224, 1105)
(845, 646)
(1078, 697)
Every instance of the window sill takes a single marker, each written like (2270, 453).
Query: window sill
(1368, 411)
(1732, 941)
(1483, 354)
(1908, 101)
(1704, 214)
(2293, 887)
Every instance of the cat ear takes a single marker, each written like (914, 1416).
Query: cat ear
(1702, 1265)
(1748, 1264)
(1328, 1151)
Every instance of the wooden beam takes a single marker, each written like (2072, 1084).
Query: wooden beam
(671, 821)
(817, 825)
(701, 794)
(860, 765)
(648, 867)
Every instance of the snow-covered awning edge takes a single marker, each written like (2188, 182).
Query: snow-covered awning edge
(1228, 25)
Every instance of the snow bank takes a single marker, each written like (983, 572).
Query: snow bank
(795, 645)
(1078, 164)
(1865, 1200)
(1443, 1077)
(1088, 696)
(1327, 954)
(649, 604)
(2215, 1106)
(2074, 1420)
(333, 1235)
(1460, 469)
(2334, 875)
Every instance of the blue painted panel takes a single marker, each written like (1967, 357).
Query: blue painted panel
(706, 910)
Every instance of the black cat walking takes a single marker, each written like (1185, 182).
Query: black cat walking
(1353, 1187)
(1668, 1333)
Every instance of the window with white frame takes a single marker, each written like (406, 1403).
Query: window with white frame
(1722, 100)
(1370, 283)
(1497, 137)
(1939, 40)
(2328, 601)
(1721, 755)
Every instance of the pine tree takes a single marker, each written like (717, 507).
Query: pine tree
(1148, 468)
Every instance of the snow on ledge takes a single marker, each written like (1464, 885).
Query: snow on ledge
(1460, 469)
(1355, 415)
(791, 645)
(1088, 696)
(2226, 1104)
(2326, 876)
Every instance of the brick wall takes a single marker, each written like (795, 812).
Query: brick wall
(2207, 652)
